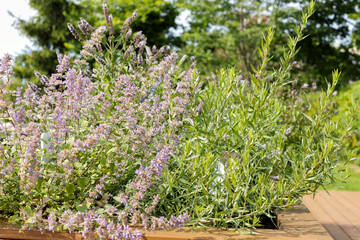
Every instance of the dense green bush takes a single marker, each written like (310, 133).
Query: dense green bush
(254, 147)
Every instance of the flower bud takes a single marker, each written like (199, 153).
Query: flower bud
(100, 60)
(110, 25)
(128, 34)
(74, 32)
(129, 21)
(87, 26)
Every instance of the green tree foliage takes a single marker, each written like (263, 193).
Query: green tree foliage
(223, 32)
(156, 18)
(356, 30)
(49, 32)
(329, 44)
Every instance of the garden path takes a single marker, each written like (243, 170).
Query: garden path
(339, 212)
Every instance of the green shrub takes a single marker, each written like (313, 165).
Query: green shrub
(253, 148)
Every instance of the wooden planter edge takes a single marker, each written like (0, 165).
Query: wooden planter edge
(295, 223)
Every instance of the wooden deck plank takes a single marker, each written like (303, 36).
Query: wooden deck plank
(296, 223)
(350, 210)
(339, 212)
(353, 195)
(353, 201)
(321, 215)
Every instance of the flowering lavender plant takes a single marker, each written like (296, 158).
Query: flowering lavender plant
(86, 152)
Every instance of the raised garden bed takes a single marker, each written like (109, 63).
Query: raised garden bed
(295, 223)
(140, 138)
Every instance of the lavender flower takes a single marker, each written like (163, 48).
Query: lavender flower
(305, 85)
(314, 86)
(59, 57)
(87, 26)
(34, 88)
(110, 25)
(93, 43)
(128, 52)
(100, 60)
(106, 11)
(5, 64)
(128, 34)
(141, 46)
(129, 21)
(108, 19)
(74, 32)
(82, 28)
(43, 79)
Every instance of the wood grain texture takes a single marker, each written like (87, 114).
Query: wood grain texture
(295, 223)
(339, 213)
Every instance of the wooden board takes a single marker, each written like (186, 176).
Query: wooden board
(295, 223)
(339, 213)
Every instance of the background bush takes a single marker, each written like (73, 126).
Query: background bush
(345, 102)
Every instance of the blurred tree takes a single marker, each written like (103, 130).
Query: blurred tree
(155, 19)
(355, 22)
(224, 33)
(221, 32)
(330, 42)
(48, 30)
(49, 33)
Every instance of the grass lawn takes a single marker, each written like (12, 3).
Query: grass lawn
(350, 184)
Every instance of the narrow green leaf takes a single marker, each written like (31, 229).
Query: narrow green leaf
(81, 182)
(70, 189)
